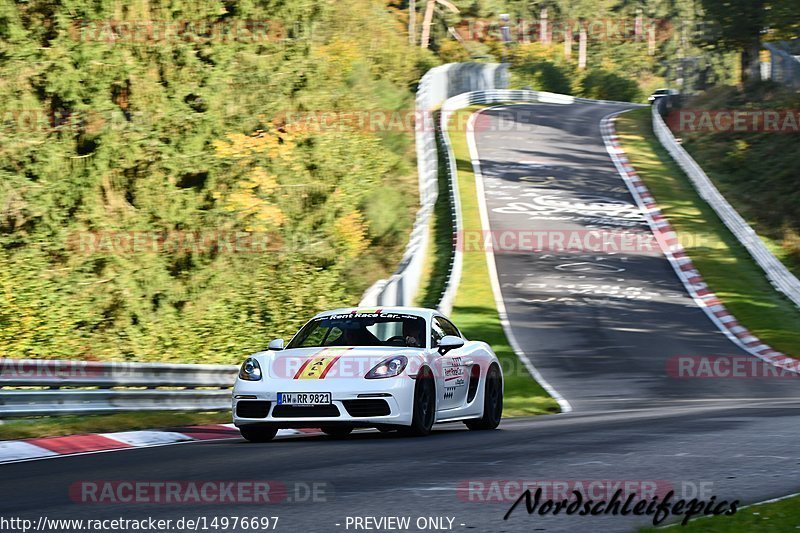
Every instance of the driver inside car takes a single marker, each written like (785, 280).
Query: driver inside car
(413, 333)
(356, 337)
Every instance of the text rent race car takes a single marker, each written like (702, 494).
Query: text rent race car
(391, 368)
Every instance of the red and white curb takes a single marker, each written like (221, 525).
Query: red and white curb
(682, 263)
(48, 447)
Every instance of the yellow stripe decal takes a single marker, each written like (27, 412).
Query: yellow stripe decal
(318, 365)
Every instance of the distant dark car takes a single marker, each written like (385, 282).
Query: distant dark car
(660, 93)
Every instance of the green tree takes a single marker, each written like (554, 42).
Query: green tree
(185, 135)
(740, 25)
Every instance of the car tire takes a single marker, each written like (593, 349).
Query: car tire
(492, 402)
(258, 434)
(424, 409)
(337, 432)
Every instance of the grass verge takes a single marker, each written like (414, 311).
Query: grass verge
(727, 267)
(73, 425)
(440, 244)
(756, 171)
(474, 309)
(783, 515)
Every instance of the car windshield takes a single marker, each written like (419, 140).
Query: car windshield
(362, 329)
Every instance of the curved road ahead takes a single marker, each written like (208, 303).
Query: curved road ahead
(600, 328)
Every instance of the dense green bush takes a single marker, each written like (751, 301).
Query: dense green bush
(604, 85)
(756, 171)
(186, 136)
(542, 68)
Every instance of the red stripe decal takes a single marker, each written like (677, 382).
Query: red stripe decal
(327, 368)
(78, 443)
(303, 367)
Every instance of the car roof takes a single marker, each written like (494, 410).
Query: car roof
(419, 311)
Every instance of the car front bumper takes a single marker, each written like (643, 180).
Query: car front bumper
(356, 402)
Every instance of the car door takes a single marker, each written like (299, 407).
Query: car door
(451, 368)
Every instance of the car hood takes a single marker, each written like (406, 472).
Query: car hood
(339, 361)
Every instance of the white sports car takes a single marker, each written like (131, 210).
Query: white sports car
(394, 368)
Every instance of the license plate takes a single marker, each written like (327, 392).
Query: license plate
(304, 398)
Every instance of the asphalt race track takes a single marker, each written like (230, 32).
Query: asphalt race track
(601, 328)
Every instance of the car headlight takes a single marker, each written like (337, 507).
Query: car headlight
(251, 370)
(388, 368)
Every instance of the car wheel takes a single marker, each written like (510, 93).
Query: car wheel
(337, 432)
(424, 406)
(492, 402)
(258, 434)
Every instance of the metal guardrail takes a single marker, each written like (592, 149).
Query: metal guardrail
(436, 86)
(785, 62)
(777, 273)
(456, 259)
(32, 387)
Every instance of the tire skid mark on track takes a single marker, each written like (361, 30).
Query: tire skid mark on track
(691, 278)
(566, 407)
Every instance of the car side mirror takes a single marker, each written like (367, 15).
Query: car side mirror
(276, 345)
(450, 342)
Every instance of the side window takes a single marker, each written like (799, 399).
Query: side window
(441, 327)
(447, 326)
(436, 332)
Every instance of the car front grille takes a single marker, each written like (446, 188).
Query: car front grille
(304, 411)
(367, 407)
(250, 409)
